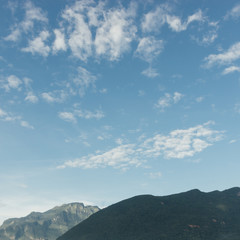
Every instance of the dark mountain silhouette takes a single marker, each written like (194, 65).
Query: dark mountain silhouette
(192, 215)
(48, 225)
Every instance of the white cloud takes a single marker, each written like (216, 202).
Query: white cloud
(59, 43)
(116, 32)
(78, 113)
(31, 97)
(94, 30)
(149, 48)
(57, 96)
(199, 99)
(84, 80)
(177, 144)
(232, 141)
(168, 100)
(234, 13)
(150, 72)
(38, 46)
(13, 82)
(9, 117)
(182, 143)
(79, 33)
(119, 157)
(231, 70)
(98, 114)
(67, 116)
(33, 14)
(26, 125)
(208, 37)
(154, 20)
(227, 57)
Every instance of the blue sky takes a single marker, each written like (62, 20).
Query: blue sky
(104, 100)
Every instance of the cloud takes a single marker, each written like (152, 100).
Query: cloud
(12, 82)
(32, 15)
(116, 32)
(79, 33)
(59, 43)
(78, 113)
(26, 125)
(154, 20)
(233, 13)
(94, 30)
(56, 96)
(168, 100)
(178, 144)
(98, 114)
(209, 36)
(119, 157)
(84, 80)
(9, 117)
(150, 72)
(37, 45)
(149, 48)
(231, 70)
(31, 97)
(67, 116)
(227, 57)
(182, 143)
(199, 99)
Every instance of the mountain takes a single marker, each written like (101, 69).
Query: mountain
(48, 225)
(193, 215)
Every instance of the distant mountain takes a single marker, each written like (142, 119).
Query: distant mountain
(192, 215)
(48, 225)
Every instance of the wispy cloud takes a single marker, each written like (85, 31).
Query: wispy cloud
(233, 13)
(150, 72)
(37, 45)
(83, 80)
(9, 117)
(57, 96)
(154, 20)
(119, 157)
(227, 57)
(168, 100)
(32, 15)
(177, 144)
(231, 70)
(149, 48)
(26, 125)
(67, 116)
(11, 82)
(31, 97)
(79, 113)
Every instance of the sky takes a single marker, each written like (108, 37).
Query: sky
(104, 100)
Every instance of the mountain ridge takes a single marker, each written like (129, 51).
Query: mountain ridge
(192, 215)
(46, 225)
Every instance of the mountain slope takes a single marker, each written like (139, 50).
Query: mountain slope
(48, 225)
(193, 215)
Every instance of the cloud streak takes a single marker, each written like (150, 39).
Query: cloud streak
(225, 58)
(178, 144)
